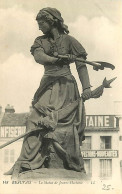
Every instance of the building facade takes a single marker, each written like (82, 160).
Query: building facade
(100, 149)
(11, 125)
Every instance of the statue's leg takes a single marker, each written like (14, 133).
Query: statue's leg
(55, 157)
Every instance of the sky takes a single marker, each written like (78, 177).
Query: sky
(96, 24)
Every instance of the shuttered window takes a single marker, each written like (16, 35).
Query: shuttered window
(6, 156)
(9, 156)
(88, 166)
(105, 168)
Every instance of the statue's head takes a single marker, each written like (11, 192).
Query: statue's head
(48, 18)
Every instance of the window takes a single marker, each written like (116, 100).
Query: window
(86, 144)
(9, 156)
(105, 168)
(105, 142)
(88, 166)
(6, 156)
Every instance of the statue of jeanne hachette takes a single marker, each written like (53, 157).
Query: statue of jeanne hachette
(57, 143)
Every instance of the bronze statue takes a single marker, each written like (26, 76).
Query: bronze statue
(57, 124)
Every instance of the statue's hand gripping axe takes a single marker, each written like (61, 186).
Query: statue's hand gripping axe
(96, 64)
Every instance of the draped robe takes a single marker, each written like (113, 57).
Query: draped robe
(57, 90)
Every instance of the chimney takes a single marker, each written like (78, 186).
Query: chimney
(9, 109)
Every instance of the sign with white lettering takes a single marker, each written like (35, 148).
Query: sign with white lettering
(100, 121)
(100, 153)
(12, 131)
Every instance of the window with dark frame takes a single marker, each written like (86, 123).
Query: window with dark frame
(105, 142)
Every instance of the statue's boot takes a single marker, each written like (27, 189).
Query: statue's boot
(15, 170)
(9, 172)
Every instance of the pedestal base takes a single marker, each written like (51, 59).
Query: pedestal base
(54, 174)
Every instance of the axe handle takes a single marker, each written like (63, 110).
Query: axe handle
(13, 140)
(16, 138)
(97, 65)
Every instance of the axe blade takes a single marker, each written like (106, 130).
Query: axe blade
(104, 65)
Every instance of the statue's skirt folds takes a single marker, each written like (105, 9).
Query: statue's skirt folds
(57, 147)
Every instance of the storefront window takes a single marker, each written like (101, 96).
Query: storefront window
(86, 144)
(88, 166)
(9, 156)
(105, 168)
(105, 142)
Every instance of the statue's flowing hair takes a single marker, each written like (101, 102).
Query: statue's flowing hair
(53, 21)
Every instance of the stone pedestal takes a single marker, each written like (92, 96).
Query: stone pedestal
(53, 174)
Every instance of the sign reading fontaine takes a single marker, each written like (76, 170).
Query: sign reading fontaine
(92, 122)
(100, 121)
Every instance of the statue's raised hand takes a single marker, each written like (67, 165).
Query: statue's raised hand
(86, 94)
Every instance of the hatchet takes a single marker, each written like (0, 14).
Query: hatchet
(96, 64)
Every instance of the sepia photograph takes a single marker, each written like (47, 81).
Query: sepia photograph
(60, 96)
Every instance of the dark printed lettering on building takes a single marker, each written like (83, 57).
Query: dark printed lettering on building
(100, 121)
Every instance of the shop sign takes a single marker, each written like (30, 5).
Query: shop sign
(100, 121)
(100, 154)
(12, 131)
